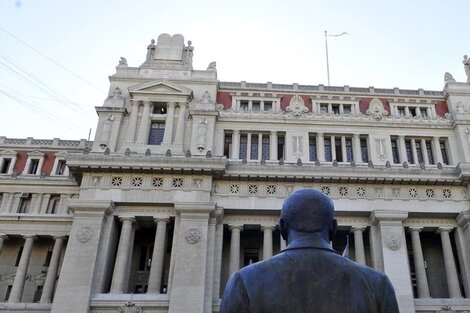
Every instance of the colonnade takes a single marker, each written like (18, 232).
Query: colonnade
(273, 141)
(39, 202)
(141, 134)
(436, 150)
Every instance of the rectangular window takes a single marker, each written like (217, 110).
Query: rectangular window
(280, 147)
(268, 106)
(395, 154)
(33, 166)
(364, 150)
(324, 108)
(347, 109)
(327, 145)
(338, 150)
(423, 112)
(25, 204)
(159, 108)
(254, 147)
(412, 111)
(5, 166)
(61, 167)
(419, 152)
(256, 106)
(157, 130)
(445, 157)
(401, 111)
(349, 150)
(265, 148)
(335, 108)
(243, 146)
(53, 205)
(244, 106)
(37, 294)
(227, 145)
(409, 152)
(312, 148)
(7, 295)
(429, 152)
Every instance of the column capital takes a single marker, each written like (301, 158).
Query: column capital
(161, 219)
(273, 132)
(147, 102)
(182, 104)
(171, 104)
(388, 216)
(236, 131)
(127, 218)
(417, 229)
(232, 227)
(320, 133)
(441, 230)
(135, 102)
(32, 236)
(401, 136)
(356, 135)
(4, 236)
(358, 228)
(268, 227)
(463, 219)
(59, 237)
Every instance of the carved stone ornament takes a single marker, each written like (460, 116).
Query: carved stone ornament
(84, 234)
(449, 78)
(393, 242)
(297, 106)
(193, 235)
(376, 109)
(130, 307)
(446, 309)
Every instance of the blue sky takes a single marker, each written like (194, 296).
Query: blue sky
(406, 44)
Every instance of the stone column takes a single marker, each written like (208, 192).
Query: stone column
(143, 134)
(22, 270)
(424, 151)
(12, 165)
(210, 265)
(462, 239)
(449, 263)
(437, 150)
(37, 203)
(359, 252)
(234, 263)
(402, 149)
(395, 255)
(170, 119)
(180, 128)
(320, 147)
(421, 278)
(376, 248)
(219, 241)
(41, 162)
(6, 203)
(123, 256)
(248, 146)
(131, 127)
(273, 146)
(267, 241)
(343, 148)
(45, 203)
(49, 283)
(158, 256)
(260, 147)
(414, 152)
(333, 148)
(357, 155)
(235, 144)
(3, 237)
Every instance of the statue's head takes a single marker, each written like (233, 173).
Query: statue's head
(308, 211)
(152, 41)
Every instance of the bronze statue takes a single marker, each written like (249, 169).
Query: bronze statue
(308, 276)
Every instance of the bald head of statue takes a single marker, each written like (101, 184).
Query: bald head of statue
(307, 212)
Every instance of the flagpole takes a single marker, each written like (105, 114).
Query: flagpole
(327, 61)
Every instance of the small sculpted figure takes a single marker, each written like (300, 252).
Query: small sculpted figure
(188, 54)
(308, 276)
(466, 65)
(150, 51)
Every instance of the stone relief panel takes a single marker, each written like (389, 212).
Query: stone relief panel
(392, 241)
(84, 234)
(297, 106)
(192, 236)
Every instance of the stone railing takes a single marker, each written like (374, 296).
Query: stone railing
(337, 89)
(49, 143)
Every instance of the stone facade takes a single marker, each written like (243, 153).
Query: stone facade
(184, 182)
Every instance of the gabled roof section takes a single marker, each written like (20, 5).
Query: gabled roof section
(161, 87)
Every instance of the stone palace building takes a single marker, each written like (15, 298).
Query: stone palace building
(185, 179)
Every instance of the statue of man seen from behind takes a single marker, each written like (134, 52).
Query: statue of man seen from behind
(308, 276)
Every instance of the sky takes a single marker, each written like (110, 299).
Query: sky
(56, 56)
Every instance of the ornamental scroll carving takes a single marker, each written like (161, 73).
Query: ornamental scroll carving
(130, 307)
(376, 109)
(193, 236)
(297, 106)
(393, 241)
(84, 234)
(447, 309)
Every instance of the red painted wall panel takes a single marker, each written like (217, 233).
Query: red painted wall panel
(22, 157)
(442, 108)
(364, 104)
(224, 98)
(285, 99)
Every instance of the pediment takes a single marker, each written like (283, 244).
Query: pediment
(161, 87)
(35, 153)
(5, 153)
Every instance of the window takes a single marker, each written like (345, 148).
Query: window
(33, 167)
(7, 295)
(25, 203)
(61, 167)
(265, 148)
(280, 147)
(254, 147)
(53, 205)
(349, 150)
(312, 148)
(256, 106)
(347, 109)
(335, 108)
(268, 106)
(157, 131)
(412, 111)
(338, 150)
(244, 106)
(37, 294)
(5, 166)
(401, 111)
(445, 158)
(409, 152)
(395, 154)
(364, 151)
(327, 145)
(243, 146)
(423, 112)
(227, 145)
(429, 152)
(159, 108)
(419, 151)
(324, 108)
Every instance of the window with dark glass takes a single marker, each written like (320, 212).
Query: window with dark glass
(256, 106)
(324, 108)
(37, 294)
(25, 203)
(244, 106)
(412, 111)
(227, 145)
(327, 145)
(7, 295)
(423, 112)
(445, 157)
(280, 147)
(429, 152)
(349, 150)
(268, 105)
(419, 151)
(157, 130)
(338, 150)
(312, 148)
(364, 150)
(61, 167)
(159, 108)
(243, 146)
(346, 109)
(265, 148)
(53, 205)
(395, 154)
(409, 152)
(401, 111)
(254, 147)
(335, 108)
(33, 166)
(5, 166)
